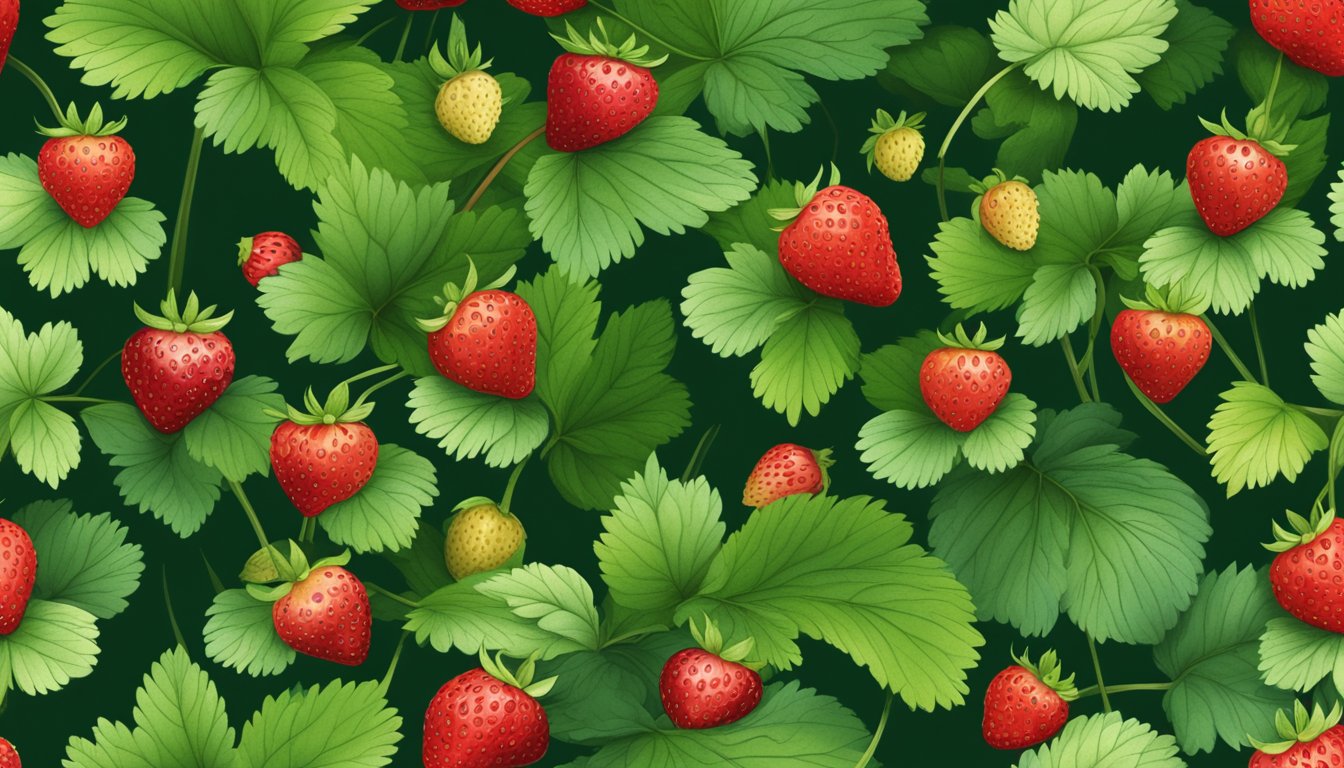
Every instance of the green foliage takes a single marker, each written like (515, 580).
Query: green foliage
(1035, 127)
(385, 513)
(43, 439)
(1296, 656)
(54, 644)
(1105, 741)
(240, 634)
(234, 434)
(1196, 40)
(948, 64)
(338, 725)
(85, 560)
(1325, 347)
(555, 597)
(468, 424)
(1254, 437)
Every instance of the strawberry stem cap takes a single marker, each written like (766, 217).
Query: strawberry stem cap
(1304, 530)
(72, 125)
(1269, 143)
(190, 318)
(335, 410)
(1050, 672)
(454, 294)
(994, 179)
(980, 341)
(803, 194)
(711, 640)
(884, 123)
(462, 58)
(594, 45)
(1173, 300)
(1303, 728)
(522, 678)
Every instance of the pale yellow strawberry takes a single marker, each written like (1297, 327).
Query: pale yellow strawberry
(481, 538)
(899, 153)
(1011, 214)
(469, 106)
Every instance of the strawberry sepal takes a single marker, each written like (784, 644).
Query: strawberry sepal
(993, 180)
(1172, 301)
(454, 294)
(883, 123)
(1050, 672)
(711, 639)
(71, 124)
(190, 318)
(1304, 530)
(522, 678)
(1271, 143)
(959, 339)
(461, 58)
(594, 45)
(803, 194)
(1302, 728)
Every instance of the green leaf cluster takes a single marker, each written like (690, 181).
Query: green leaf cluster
(43, 439)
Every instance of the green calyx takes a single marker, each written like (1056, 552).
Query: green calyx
(1272, 142)
(980, 341)
(599, 44)
(1173, 300)
(803, 194)
(337, 408)
(71, 124)
(191, 318)
(291, 570)
(1302, 728)
(993, 180)
(1050, 672)
(711, 639)
(1304, 530)
(454, 294)
(521, 678)
(884, 123)
(477, 501)
(825, 460)
(245, 249)
(461, 57)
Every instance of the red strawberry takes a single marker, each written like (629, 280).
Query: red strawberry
(839, 245)
(547, 7)
(708, 686)
(325, 455)
(485, 340)
(9, 756)
(1309, 740)
(85, 167)
(964, 382)
(262, 255)
(1027, 703)
(1309, 33)
(9, 21)
(1160, 345)
(786, 470)
(179, 364)
(325, 614)
(18, 569)
(429, 5)
(1304, 575)
(488, 718)
(1234, 179)
(598, 91)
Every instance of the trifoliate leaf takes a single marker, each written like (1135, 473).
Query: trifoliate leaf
(555, 597)
(736, 309)
(590, 208)
(1088, 50)
(1105, 741)
(85, 559)
(1211, 657)
(1296, 656)
(1061, 297)
(157, 473)
(234, 434)
(807, 360)
(1036, 128)
(1118, 540)
(1254, 436)
(385, 513)
(1196, 40)
(240, 634)
(845, 572)
(334, 726)
(948, 65)
(1325, 347)
(54, 644)
(460, 617)
(751, 223)
(43, 439)
(468, 424)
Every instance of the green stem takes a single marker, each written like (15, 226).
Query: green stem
(506, 502)
(1332, 469)
(386, 682)
(252, 518)
(375, 30)
(1227, 350)
(1273, 89)
(1329, 413)
(177, 261)
(398, 376)
(1096, 667)
(369, 374)
(96, 371)
(499, 166)
(390, 595)
(172, 615)
(1128, 688)
(40, 84)
(877, 735)
(701, 451)
(1089, 364)
(1073, 370)
(1255, 333)
(835, 130)
(769, 158)
(76, 399)
(633, 634)
(405, 35)
(956, 126)
(429, 36)
(646, 33)
(1161, 416)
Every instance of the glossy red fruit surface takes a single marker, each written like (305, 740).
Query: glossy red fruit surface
(318, 465)
(840, 246)
(701, 690)
(1234, 183)
(87, 175)
(591, 100)
(326, 616)
(489, 345)
(1161, 351)
(174, 377)
(18, 570)
(963, 387)
(478, 721)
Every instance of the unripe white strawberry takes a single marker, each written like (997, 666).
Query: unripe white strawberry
(1009, 211)
(470, 103)
(896, 145)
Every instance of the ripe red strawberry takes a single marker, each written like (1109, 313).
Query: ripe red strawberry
(1234, 179)
(18, 569)
(179, 364)
(325, 455)
(1027, 703)
(488, 718)
(710, 686)
(262, 255)
(1304, 575)
(485, 340)
(786, 470)
(9, 756)
(1309, 33)
(1160, 345)
(839, 245)
(598, 91)
(85, 167)
(9, 21)
(429, 5)
(964, 382)
(325, 613)
(547, 7)
(1309, 740)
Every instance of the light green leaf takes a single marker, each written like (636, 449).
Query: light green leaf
(459, 617)
(1105, 741)
(909, 449)
(1325, 347)
(240, 634)
(468, 424)
(1196, 40)
(555, 597)
(44, 440)
(736, 309)
(1296, 656)
(234, 434)
(1061, 297)
(284, 26)
(891, 373)
(85, 559)
(974, 271)
(1254, 436)
(601, 696)
(385, 513)
(664, 176)
(54, 644)
(1337, 206)
(1089, 50)
(806, 361)
(1000, 441)
(845, 572)
(339, 725)
(1301, 91)
(750, 223)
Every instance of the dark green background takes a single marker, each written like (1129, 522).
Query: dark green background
(242, 195)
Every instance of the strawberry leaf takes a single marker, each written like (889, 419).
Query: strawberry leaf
(751, 223)
(807, 360)
(233, 435)
(240, 634)
(601, 696)
(554, 596)
(1307, 160)
(54, 644)
(1211, 658)
(1325, 347)
(1254, 437)
(43, 439)
(422, 563)
(1301, 91)
(1105, 741)
(949, 64)
(1196, 40)
(665, 176)
(337, 724)
(460, 617)
(385, 513)
(1036, 128)
(1296, 656)
(85, 560)
(468, 424)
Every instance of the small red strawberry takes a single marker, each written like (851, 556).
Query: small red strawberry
(18, 569)
(179, 364)
(964, 382)
(710, 686)
(598, 91)
(325, 455)
(488, 718)
(1160, 345)
(9, 756)
(1235, 179)
(262, 255)
(1309, 33)
(548, 7)
(839, 244)
(486, 340)
(323, 612)
(786, 470)
(429, 5)
(1309, 740)
(1027, 703)
(1304, 575)
(85, 167)
(9, 21)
